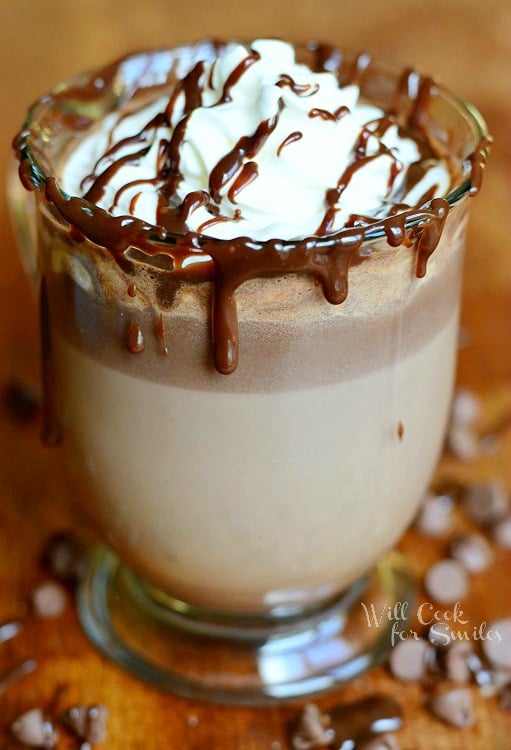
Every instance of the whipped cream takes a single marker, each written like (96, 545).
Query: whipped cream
(254, 144)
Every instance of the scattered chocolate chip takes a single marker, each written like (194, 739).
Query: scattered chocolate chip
(49, 600)
(455, 707)
(498, 680)
(501, 533)
(384, 742)
(475, 663)
(466, 407)
(487, 502)
(313, 729)
(10, 630)
(435, 517)
(374, 715)
(505, 698)
(462, 442)
(65, 557)
(347, 725)
(473, 552)
(456, 662)
(485, 678)
(87, 722)
(409, 660)
(497, 643)
(26, 667)
(34, 730)
(22, 400)
(447, 581)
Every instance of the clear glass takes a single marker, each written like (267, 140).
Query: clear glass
(249, 515)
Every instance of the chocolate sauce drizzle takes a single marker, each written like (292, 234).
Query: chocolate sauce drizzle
(246, 147)
(160, 332)
(136, 341)
(326, 256)
(296, 135)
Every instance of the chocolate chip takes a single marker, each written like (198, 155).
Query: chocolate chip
(49, 600)
(409, 660)
(65, 556)
(456, 661)
(497, 643)
(487, 502)
(313, 729)
(501, 533)
(447, 582)
(435, 517)
(34, 730)
(364, 718)
(22, 400)
(87, 722)
(454, 707)
(473, 552)
(10, 630)
(384, 742)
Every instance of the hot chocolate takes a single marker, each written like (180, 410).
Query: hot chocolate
(225, 199)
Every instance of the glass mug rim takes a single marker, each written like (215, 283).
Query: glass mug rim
(158, 237)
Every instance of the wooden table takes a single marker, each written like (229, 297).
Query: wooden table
(42, 41)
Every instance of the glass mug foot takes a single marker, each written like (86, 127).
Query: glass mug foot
(200, 655)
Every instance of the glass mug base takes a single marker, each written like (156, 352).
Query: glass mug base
(238, 660)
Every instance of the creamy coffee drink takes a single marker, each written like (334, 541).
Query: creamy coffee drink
(251, 271)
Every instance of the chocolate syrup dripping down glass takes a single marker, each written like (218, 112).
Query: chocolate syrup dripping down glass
(230, 263)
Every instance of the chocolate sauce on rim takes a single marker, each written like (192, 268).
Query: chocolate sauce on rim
(325, 256)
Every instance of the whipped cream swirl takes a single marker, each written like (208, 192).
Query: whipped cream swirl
(254, 144)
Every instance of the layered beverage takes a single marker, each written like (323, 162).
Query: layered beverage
(251, 272)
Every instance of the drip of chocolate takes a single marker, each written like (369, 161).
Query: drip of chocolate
(291, 138)
(236, 75)
(247, 175)
(324, 114)
(246, 147)
(300, 89)
(136, 342)
(160, 332)
(345, 726)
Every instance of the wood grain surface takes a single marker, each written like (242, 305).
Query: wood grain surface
(467, 44)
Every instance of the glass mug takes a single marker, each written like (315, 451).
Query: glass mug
(247, 516)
